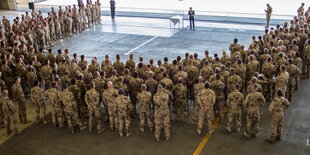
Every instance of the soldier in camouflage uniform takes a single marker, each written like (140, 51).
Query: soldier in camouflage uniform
(57, 108)
(197, 89)
(192, 73)
(70, 109)
(151, 83)
(180, 95)
(76, 91)
(162, 113)
(92, 101)
(46, 74)
(9, 111)
(30, 78)
(234, 104)
(251, 105)
(119, 66)
(307, 59)
(218, 87)
(134, 88)
(38, 100)
(268, 70)
(281, 80)
(206, 101)
(145, 100)
(276, 109)
(108, 98)
(18, 97)
(124, 107)
(294, 72)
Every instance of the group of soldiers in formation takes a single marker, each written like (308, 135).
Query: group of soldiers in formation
(33, 31)
(86, 95)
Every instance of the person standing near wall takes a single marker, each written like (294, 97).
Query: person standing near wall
(112, 7)
(191, 14)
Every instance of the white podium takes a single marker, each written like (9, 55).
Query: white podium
(177, 20)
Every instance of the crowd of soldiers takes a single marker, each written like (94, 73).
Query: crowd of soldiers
(227, 87)
(34, 32)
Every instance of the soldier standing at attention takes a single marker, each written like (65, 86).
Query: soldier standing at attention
(37, 98)
(92, 101)
(206, 101)
(124, 107)
(112, 7)
(276, 109)
(57, 109)
(108, 98)
(268, 12)
(191, 14)
(180, 95)
(234, 104)
(70, 109)
(145, 100)
(19, 98)
(9, 113)
(251, 105)
(162, 113)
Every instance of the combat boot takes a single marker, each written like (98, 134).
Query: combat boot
(246, 135)
(46, 122)
(128, 133)
(271, 140)
(72, 130)
(142, 129)
(168, 138)
(83, 127)
(199, 131)
(238, 129)
(101, 130)
(228, 129)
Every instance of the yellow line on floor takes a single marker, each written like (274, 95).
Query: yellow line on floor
(208, 135)
(206, 138)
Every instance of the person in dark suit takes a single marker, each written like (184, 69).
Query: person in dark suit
(191, 14)
(112, 7)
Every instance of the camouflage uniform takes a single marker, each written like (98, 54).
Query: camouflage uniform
(234, 104)
(282, 81)
(276, 108)
(37, 98)
(47, 75)
(268, 70)
(108, 97)
(162, 115)
(9, 111)
(251, 105)
(71, 111)
(294, 72)
(57, 109)
(145, 101)
(18, 97)
(151, 84)
(124, 107)
(206, 101)
(180, 96)
(197, 89)
(218, 87)
(192, 73)
(134, 88)
(92, 101)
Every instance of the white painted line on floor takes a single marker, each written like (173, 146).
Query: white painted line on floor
(307, 144)
(140, 45)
